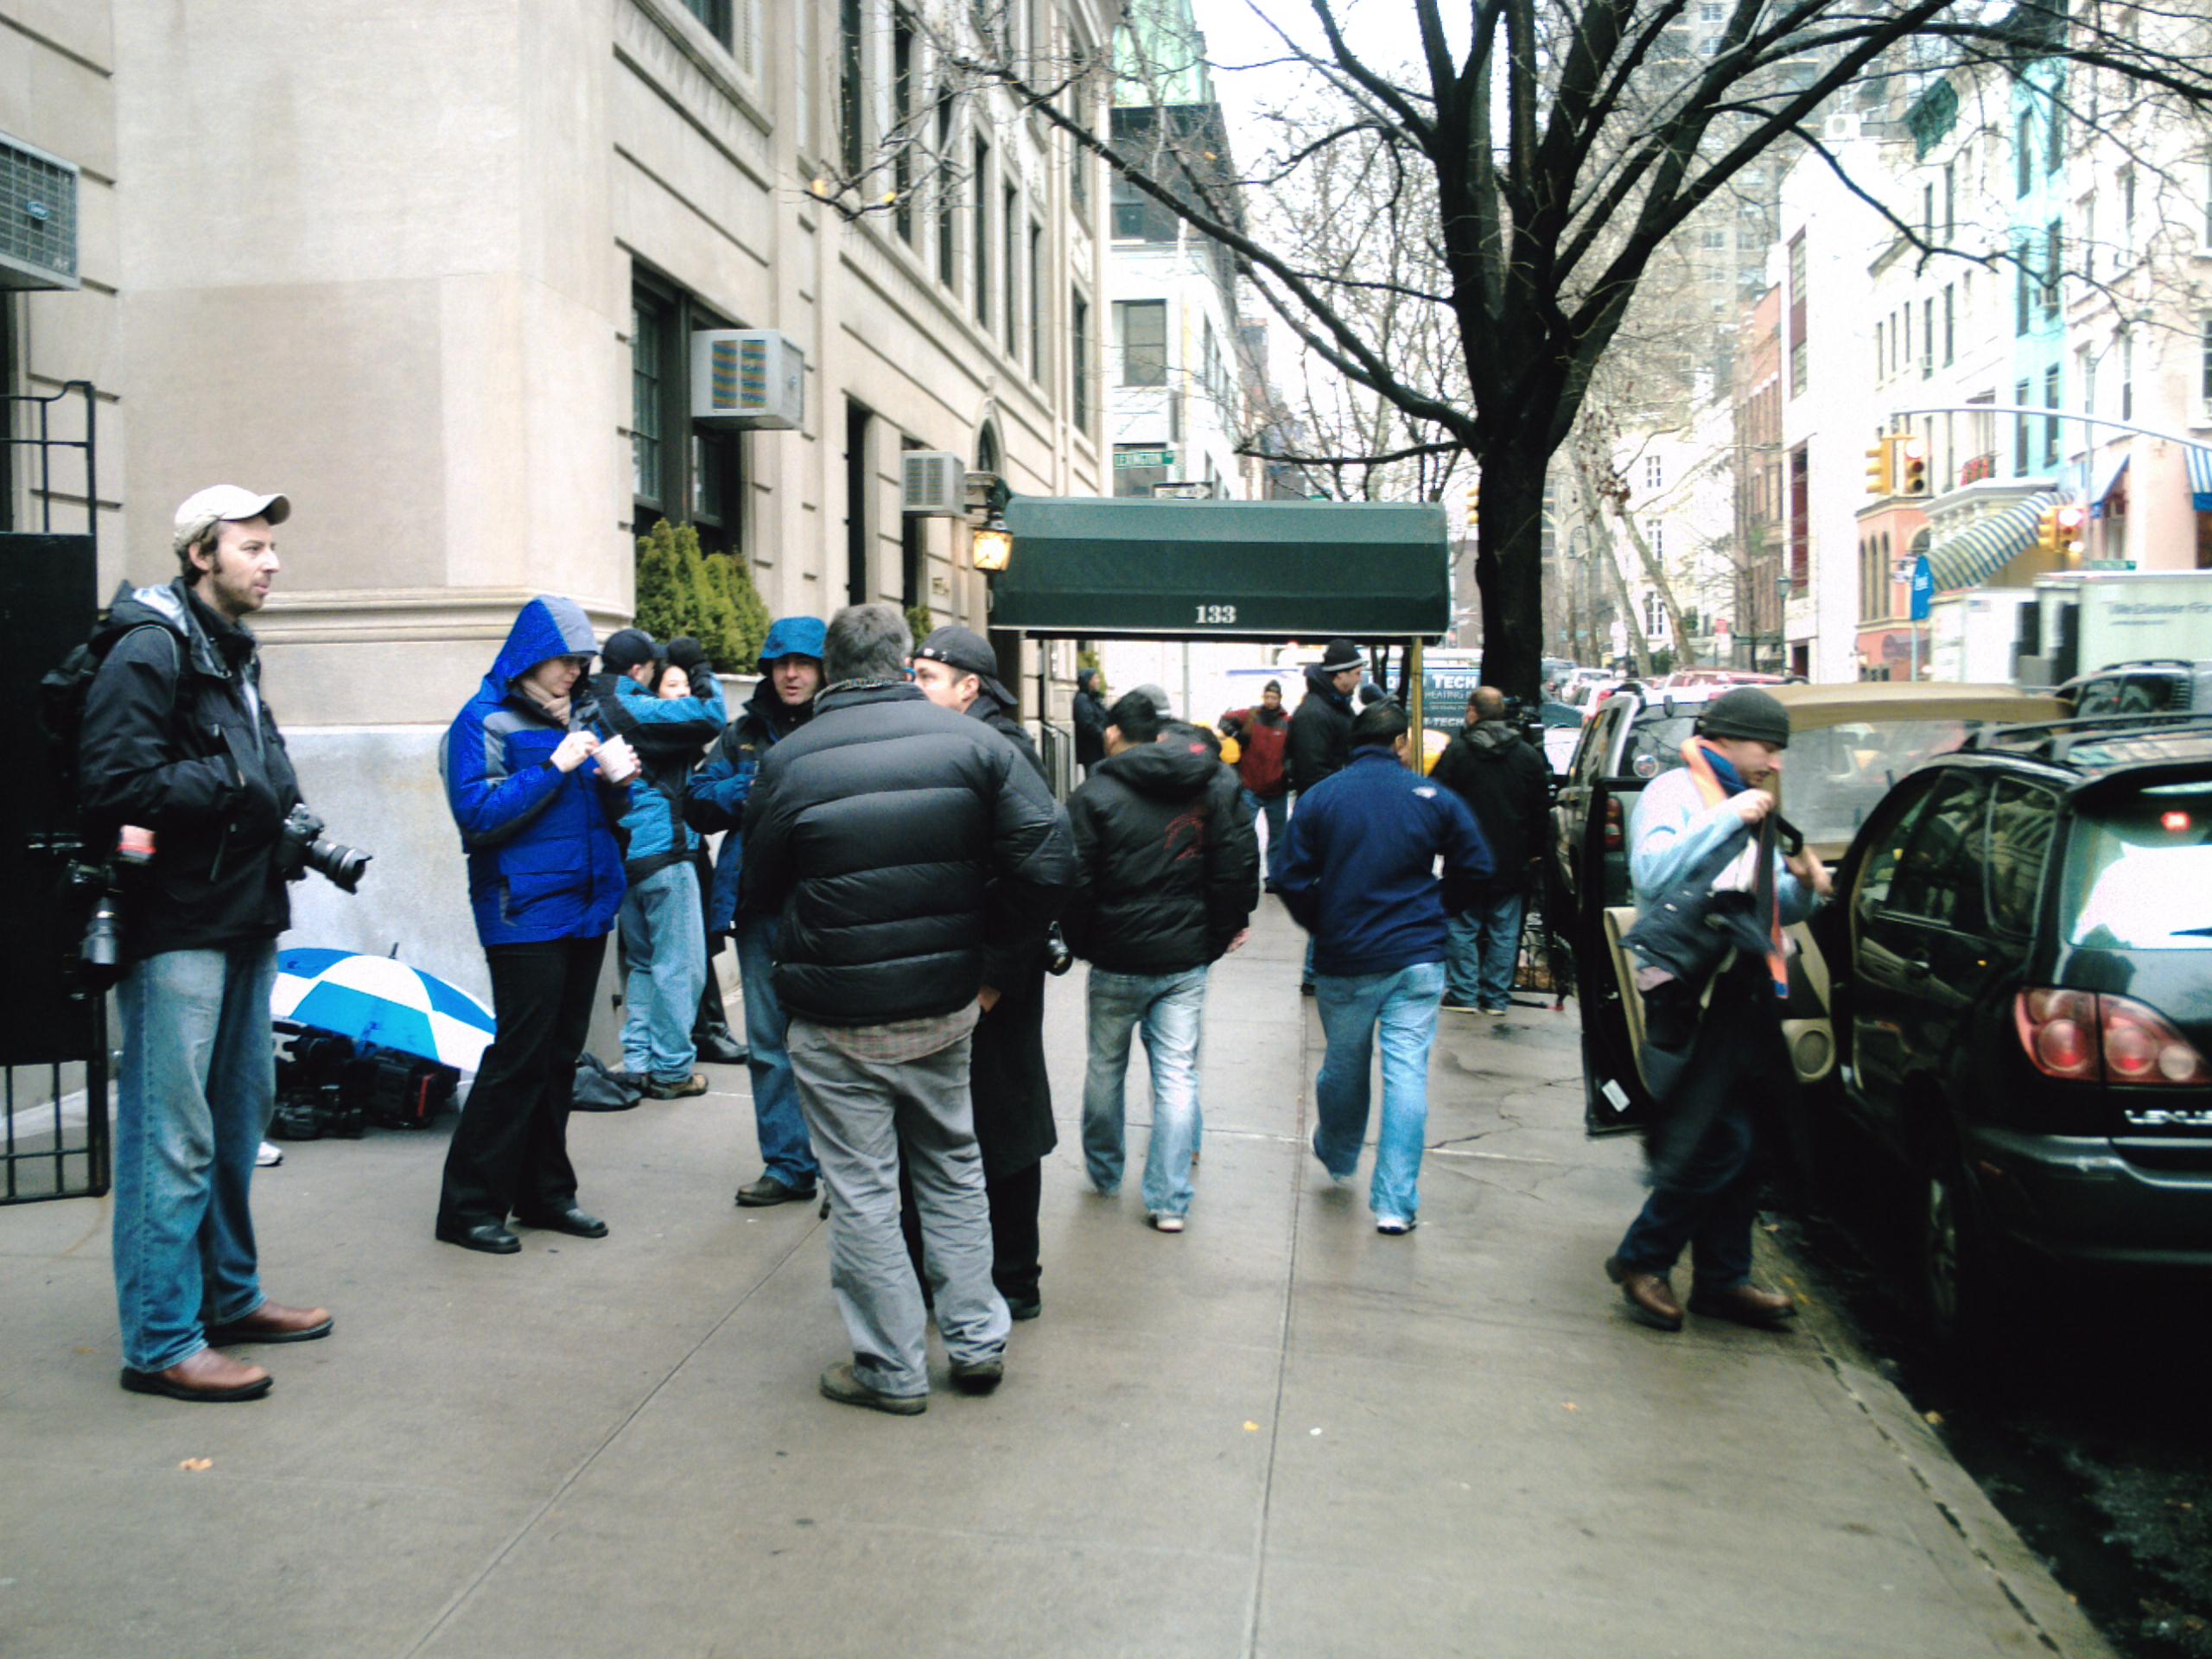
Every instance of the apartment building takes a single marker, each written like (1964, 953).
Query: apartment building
(440, 273)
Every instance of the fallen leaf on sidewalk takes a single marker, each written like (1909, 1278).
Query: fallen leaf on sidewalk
(1251, 1428)
(1935, 1419)
(1568, 1405)
(83, 1351)
(195, 1464)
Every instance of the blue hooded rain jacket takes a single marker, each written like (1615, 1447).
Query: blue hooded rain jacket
(543, 860)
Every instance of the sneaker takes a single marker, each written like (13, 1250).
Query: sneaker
(839, 1384)
(977, 1376)
(1395, 1226)
(1019, 1308)
(268, 1156)
(1457, 1005)
(1497, 1014)
(683, 1088)
(1166, 1224)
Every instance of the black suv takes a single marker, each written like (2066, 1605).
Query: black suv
(2159, 685)
(2021, 946)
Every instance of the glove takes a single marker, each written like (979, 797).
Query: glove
(688, 654)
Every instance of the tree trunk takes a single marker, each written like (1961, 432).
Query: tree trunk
(1510, 568)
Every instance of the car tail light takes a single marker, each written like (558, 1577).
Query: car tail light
(1613, 839)
(2099, 1038)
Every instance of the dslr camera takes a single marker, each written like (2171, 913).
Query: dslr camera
(300, 847)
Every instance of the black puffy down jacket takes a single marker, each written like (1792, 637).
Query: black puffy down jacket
(1166, 864)
(897, 841)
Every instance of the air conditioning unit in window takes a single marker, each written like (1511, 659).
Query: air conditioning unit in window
(38, 218)
(933, 484)
(748, 379)
(1840, 129)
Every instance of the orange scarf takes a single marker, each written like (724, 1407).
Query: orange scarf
(1697, 757)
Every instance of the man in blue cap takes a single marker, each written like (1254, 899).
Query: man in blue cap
(791, 673)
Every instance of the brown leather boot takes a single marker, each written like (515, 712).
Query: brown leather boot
(272, 1322)
(1649, 1296)
(1744, 1303)
(204, 1376)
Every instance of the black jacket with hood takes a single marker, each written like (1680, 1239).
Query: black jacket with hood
(897, 843)
(1320, 733)
(1167, 863)
(177, 738)
(1506, 785)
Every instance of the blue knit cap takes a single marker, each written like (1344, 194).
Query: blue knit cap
(795, 636)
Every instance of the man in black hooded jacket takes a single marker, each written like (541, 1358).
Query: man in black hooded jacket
(1505, 784)
(1166, 863)
(1319, 743)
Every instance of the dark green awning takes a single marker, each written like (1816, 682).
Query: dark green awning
(1224, 569)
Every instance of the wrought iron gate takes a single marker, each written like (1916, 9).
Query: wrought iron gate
(54, 1042)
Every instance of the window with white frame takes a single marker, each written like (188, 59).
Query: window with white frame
(1653, 473)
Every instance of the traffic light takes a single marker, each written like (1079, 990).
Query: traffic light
(2047, 531)
(1915, 480)
(1474, 506)
(1881, 467)
(2072, 520)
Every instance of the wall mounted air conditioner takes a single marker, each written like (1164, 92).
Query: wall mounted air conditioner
(38, 218)
(933, 484)
(1840, 129)
(748, 379)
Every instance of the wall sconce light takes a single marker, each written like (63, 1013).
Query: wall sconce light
(993, 546)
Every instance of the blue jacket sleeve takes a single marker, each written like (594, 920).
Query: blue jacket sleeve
(1672, 833)
(719, 788)
(669, 727)
(484, 798)
(1297, 867)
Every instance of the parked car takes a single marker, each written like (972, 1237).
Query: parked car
(1849, 745)
(2021, 983)
(2160, 686)
(1721, 676)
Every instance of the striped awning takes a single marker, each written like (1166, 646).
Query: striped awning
(1981, 550)
(2200, 478)
(2105, 485)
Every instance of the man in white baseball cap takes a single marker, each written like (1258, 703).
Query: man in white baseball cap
(224, 503)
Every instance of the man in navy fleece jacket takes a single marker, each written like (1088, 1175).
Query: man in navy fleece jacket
(1359, 873)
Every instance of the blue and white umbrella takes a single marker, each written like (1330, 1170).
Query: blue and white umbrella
(383, 1001)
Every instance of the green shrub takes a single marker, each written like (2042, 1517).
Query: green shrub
(921, 622)
(709, 596)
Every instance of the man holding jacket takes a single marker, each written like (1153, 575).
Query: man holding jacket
(1506, 785)
(898, 846)
(1358, 874)
(663, 923)
(177, 740)
(791, 674)
(1263, 734)
(1166, 875)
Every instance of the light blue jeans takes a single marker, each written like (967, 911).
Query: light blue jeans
(193, 1097)
(1403, 1004)
(1169, 1010)
(1481, 950)
(665, 936)
(785, 1147)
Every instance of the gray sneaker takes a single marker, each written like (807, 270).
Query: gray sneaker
(977, 1376)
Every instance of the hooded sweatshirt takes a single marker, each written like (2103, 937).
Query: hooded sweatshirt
(177, 738)
(1507, 786)
(1166, 862)
(543, 860)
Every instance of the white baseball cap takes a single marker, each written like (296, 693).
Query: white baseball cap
(222, 504)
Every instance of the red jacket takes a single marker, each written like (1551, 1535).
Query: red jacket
(1263, 738)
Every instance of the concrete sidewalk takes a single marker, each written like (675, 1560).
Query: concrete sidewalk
(1278, 1434)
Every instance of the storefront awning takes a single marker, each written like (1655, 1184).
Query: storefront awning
(1975, 553)
(1224, 569)
(2200, 478)
(2107, 481)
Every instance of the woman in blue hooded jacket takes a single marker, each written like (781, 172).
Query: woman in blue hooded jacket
(536, 818)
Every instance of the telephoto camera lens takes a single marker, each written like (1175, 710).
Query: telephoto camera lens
(341, 864)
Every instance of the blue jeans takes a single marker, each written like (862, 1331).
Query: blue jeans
(1169, 1009)
(781, 1125)
(665, 936)
(1481, 949)
(1404, 1005)
(1275, 809)
(195, 1093)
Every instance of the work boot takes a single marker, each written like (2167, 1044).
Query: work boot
(1650, 1297)
(206, 1376)
(1744, 1303)
(272, 1322)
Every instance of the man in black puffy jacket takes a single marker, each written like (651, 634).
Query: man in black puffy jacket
(898, 845)
(1166, 864)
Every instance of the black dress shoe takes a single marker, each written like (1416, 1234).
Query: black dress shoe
(490, 1237)
(769, 1190)
(572, 1221)
(720, 1048)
